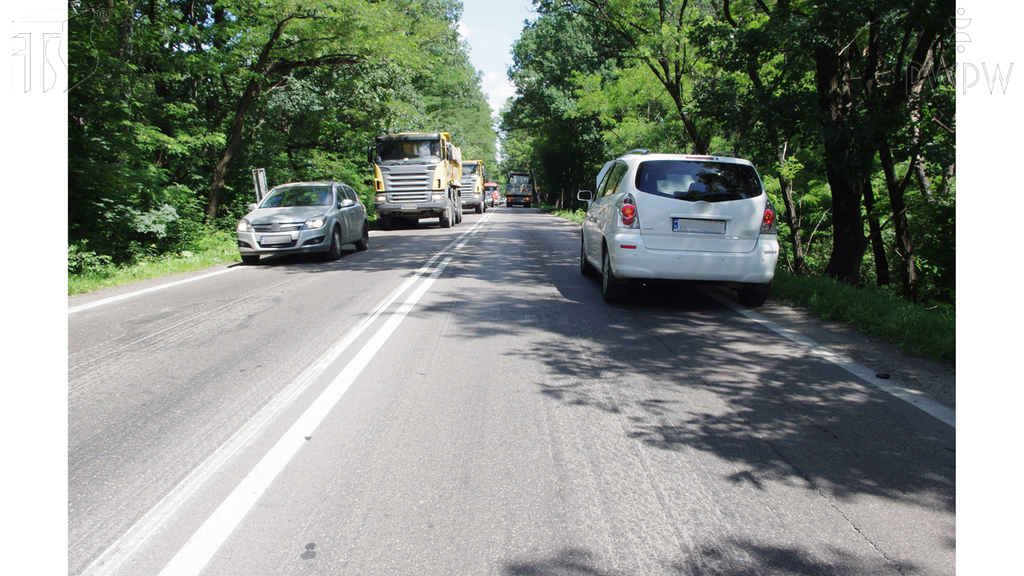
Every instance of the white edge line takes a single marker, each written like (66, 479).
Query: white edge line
(913, 397)
(137, 536)
(205, 542)
(113, 299)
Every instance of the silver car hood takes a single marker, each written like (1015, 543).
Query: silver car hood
(285, 214)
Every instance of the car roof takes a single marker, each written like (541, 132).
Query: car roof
(317, 183)
(633, 157)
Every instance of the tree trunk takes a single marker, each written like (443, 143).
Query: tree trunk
(875, 234)
(904, 247)
(238, 125)
(845, 167)
(793, 220)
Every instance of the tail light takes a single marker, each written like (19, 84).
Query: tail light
(628, 217)
(769, 222)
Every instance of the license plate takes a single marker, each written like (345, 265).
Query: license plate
(266, 240)
(409, 206)
(698, 226)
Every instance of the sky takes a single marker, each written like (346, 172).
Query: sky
(490, 27)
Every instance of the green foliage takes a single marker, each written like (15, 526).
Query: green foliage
(155, 88)
(810, 92)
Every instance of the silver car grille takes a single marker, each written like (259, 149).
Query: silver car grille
(277, 227)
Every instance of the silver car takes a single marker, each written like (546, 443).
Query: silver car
(304, 217)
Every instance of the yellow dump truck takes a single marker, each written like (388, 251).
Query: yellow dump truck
(473, 186)
(416, 175)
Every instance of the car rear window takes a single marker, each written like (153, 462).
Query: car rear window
(694, 180)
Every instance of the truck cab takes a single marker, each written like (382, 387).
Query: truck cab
(473, 186)
(521, 189)
(416, 175)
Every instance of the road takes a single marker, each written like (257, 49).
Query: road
(462, 401)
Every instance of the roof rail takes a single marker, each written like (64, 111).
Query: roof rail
(638, 151)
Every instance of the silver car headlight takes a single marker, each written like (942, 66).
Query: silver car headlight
(314, 223)
(244, 226)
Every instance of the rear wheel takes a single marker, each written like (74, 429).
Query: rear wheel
(754, 295)
(612, 288)
(445, 220)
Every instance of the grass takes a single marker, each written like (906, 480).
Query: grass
(219, 250)
(919, 330)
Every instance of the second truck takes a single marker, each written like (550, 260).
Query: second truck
(473, 186)
(416, 175)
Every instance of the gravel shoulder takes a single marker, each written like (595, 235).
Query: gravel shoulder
(935, 380)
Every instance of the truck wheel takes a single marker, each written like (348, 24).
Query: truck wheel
(479, 208)
(446, 219)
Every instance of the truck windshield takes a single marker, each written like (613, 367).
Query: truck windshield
(468, 169)
(409, 151)
(517, 183)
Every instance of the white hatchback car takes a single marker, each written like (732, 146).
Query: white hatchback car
(680, 217)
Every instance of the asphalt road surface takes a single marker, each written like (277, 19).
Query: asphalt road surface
(462, 402)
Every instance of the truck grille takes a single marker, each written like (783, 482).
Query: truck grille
(406, 178)
(409, 196)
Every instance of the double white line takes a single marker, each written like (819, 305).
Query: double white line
(201, 547)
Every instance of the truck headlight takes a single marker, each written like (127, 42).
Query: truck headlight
(437, 197)
(381, 199)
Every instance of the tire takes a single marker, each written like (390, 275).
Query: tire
(479, 208)
(335, 252)
(445, 220)
(250, 259)
(364, 241)
(586, 268)
(754, 295)
(612, 288)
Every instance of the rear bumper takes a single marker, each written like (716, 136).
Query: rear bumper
(630, 259)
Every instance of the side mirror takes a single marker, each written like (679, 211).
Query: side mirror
(346, 202)
(252, 206)
(585, 195)
(369, 153)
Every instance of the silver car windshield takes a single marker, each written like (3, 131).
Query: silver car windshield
(694, 180)
(298, 196)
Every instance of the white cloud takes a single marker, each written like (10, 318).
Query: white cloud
(498, 89)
